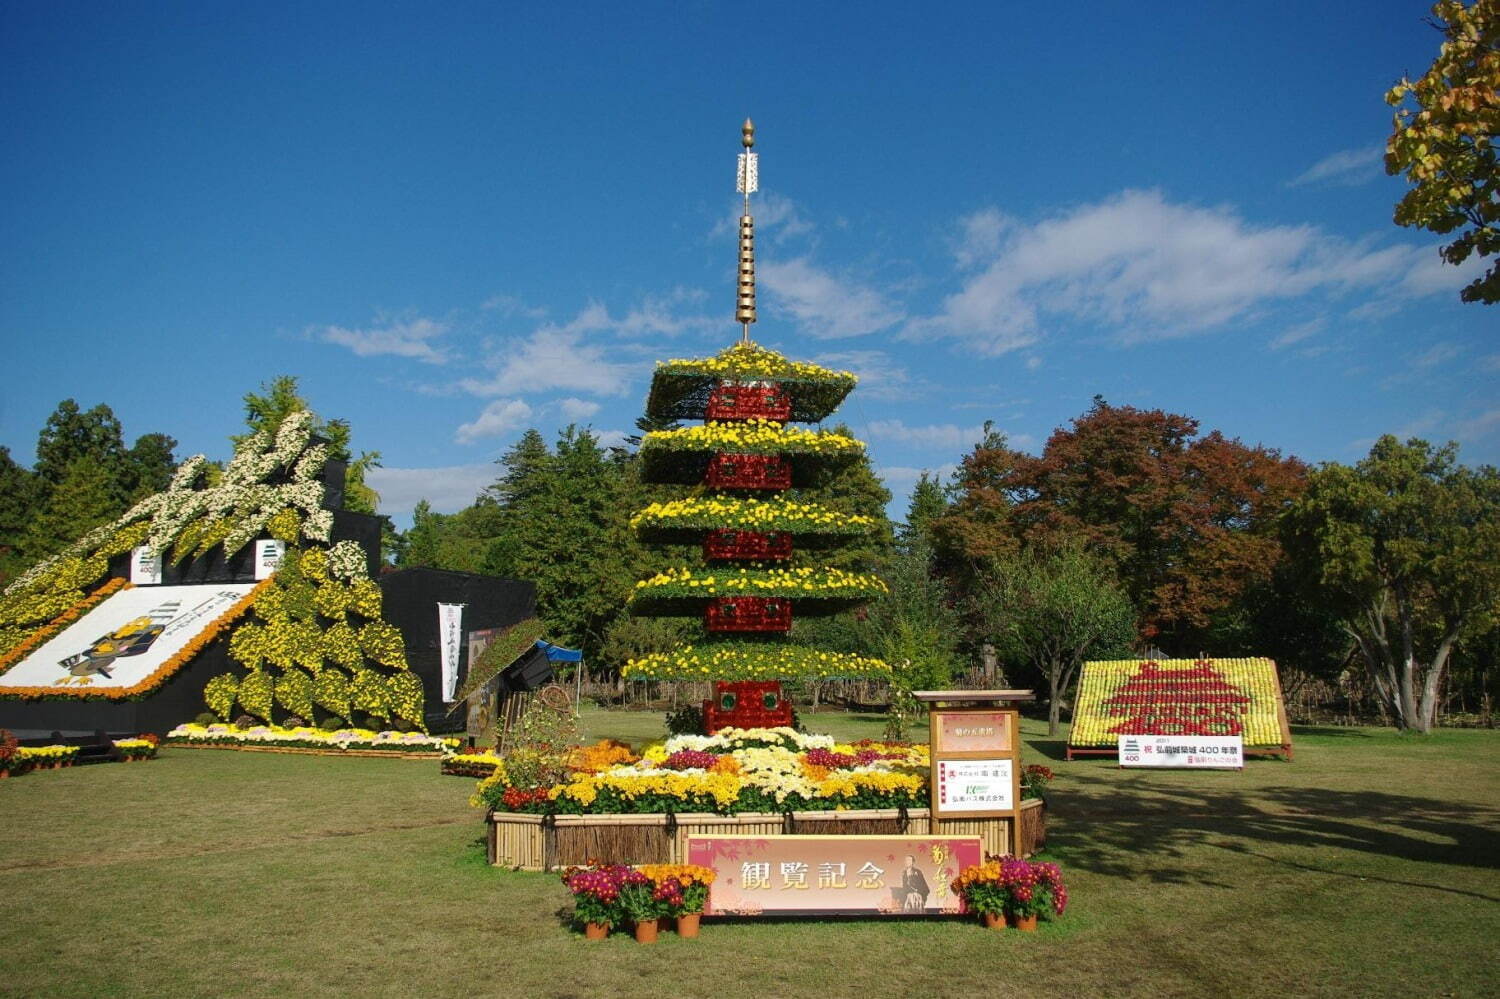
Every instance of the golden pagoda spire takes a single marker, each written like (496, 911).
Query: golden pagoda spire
(748, 183)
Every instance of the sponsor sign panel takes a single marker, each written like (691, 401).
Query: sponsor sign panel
(268, 555)
(833, 875)
(145, 568)
(1211, 752)
(975, 785)
(125, 639)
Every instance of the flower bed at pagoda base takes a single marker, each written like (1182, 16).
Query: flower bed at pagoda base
(526, 842)
(616, 808)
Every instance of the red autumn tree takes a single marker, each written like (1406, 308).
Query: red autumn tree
(1189, 521)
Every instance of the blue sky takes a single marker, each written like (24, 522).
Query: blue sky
(455, 221)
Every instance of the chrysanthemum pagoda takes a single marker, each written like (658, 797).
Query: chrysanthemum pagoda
(751, 493)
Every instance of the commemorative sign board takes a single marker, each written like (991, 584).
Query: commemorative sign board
(834, 875)
(1211, 752)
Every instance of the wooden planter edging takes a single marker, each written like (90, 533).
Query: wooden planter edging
(304, 751)
(542, 843)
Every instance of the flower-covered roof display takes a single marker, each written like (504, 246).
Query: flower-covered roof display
(1179, 697)
(681, 388)
(312, 637)
(271, 485)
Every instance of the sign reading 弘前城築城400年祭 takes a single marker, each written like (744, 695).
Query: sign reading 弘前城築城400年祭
(1198, 752)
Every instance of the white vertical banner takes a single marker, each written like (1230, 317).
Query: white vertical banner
(450, 634)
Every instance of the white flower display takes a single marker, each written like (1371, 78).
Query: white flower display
(266, 475)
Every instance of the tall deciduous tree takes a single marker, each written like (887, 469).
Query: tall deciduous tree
(84, 499)
(571, 538)
(71, 434)
(1447, 124)
(17, 505)
(1408, 548)
(1188, 521)
(148, 465)
(1053, 607)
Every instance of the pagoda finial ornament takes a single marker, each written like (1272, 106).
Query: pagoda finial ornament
(748, 183)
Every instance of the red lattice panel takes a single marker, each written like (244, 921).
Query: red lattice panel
(749, 402)
(748, 471)
(749, 614)
(749, 709)
(726, 543)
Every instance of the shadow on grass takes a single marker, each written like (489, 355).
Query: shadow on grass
(1053, 747)
(1109, 826)
(1332, 731)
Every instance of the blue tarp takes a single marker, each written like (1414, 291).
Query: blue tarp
(558, 654)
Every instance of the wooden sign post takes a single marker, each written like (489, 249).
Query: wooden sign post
(975, 746)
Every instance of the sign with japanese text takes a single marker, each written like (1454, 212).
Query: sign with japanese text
(974, 732)
(833, 875)
(976, 763)
(974, 785)
(1211, 752)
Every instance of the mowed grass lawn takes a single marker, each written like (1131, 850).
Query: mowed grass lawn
(1366, 867)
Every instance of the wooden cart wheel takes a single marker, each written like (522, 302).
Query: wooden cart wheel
(555, 698)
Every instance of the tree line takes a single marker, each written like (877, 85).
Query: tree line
(1132, 532)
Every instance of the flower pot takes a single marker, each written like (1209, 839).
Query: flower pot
(994, 920)
(645, 931)
(595, 931)
(1026, 923)
(687, 924)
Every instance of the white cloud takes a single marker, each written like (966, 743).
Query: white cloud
(979, 239)
(776, 216)
(447, 489)
(577, 409)
(944, 436)
(1143, 268)
(1422, 425)
(1438, 354)
(1348, 167)
(779, 215)
(1298, 333)
(899, 479)
(402, 338)
(1481, 426)
(610, 438)
(499, 417)
(822, 305)
(554, 357)
(879, 377)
